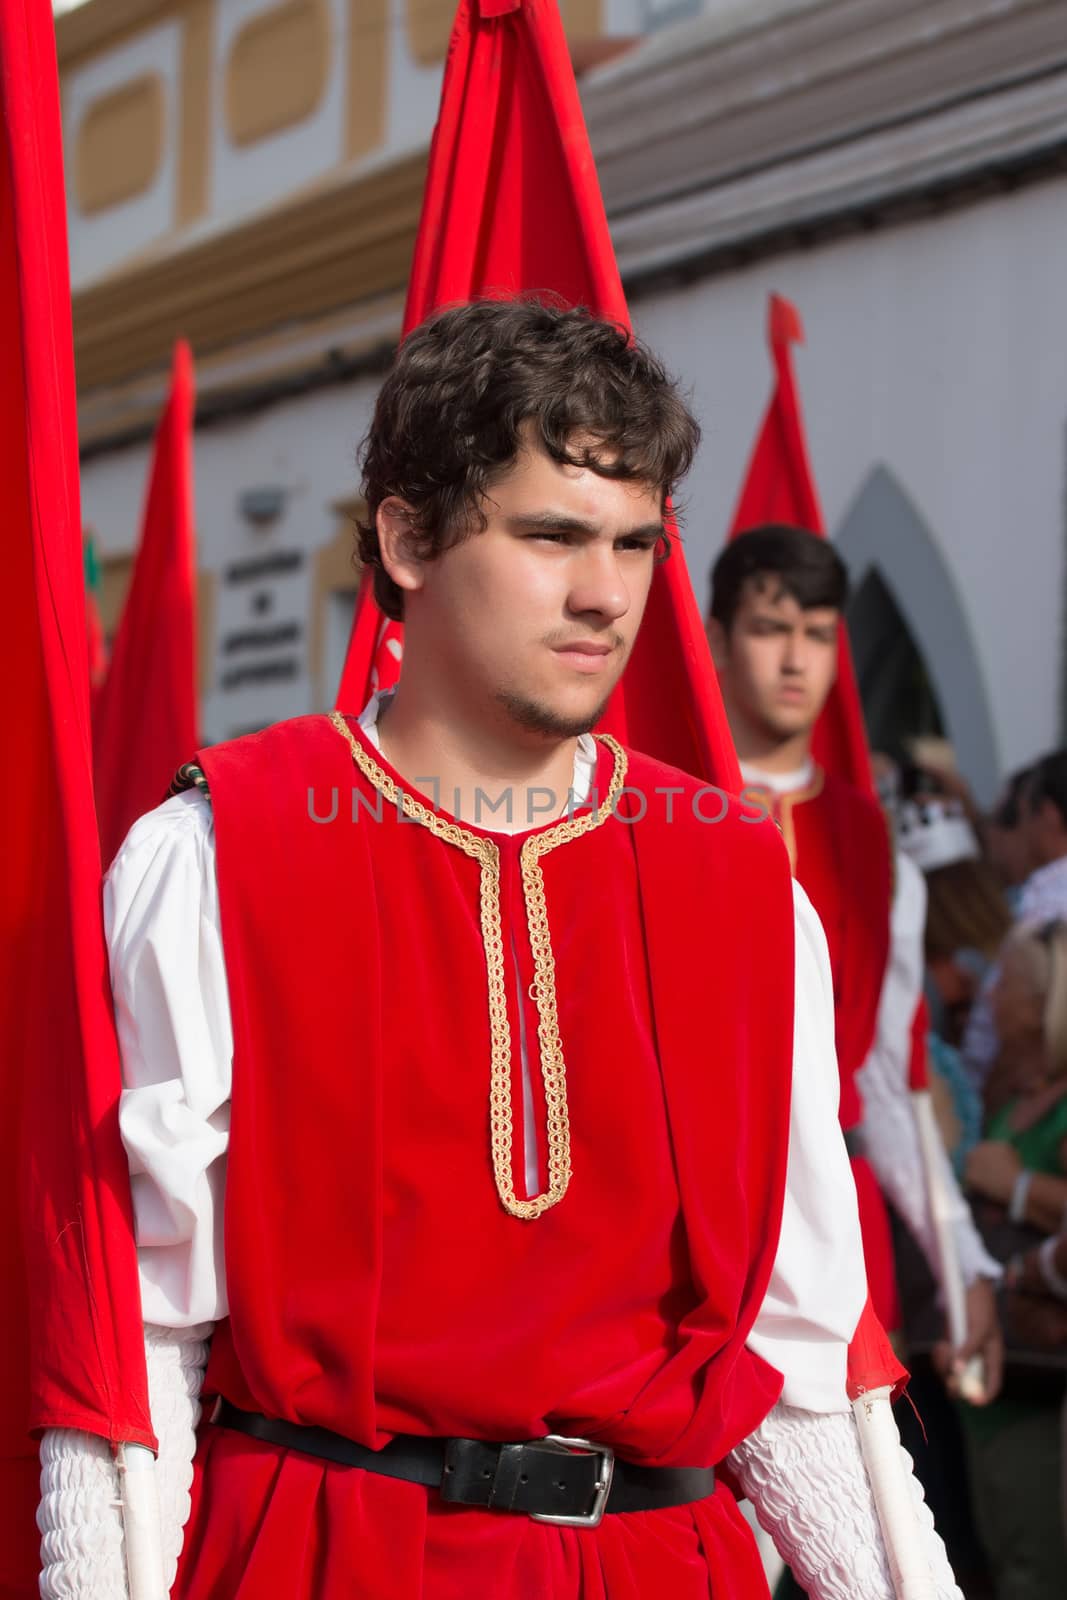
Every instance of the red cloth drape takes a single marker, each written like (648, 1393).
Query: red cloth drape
(71, 1330)
(513, 204)
(145, 717)
(779, 487)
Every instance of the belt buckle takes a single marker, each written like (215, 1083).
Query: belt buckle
(602, 1489)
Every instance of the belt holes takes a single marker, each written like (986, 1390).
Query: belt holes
(561, 1485)
(524, 1477)
(486, 1473)
(450, 1469)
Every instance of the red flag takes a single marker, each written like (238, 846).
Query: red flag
(510, 149)
(72, 1346)
(779, 487)
(872, 1363)
(145, 723)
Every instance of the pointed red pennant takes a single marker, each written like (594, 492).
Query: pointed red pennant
(72, 1350)
(510, 149)
(779, 487)
(145, 720)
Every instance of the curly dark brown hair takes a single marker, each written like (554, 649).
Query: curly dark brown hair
(464, 383)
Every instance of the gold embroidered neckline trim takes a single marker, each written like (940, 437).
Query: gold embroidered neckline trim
(786, 802)
(553, 1067)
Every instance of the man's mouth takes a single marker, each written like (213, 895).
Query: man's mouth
(586, 655)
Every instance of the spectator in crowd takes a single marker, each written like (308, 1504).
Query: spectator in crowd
(967, 920)
(1018, 1175)
(1042, 844)
(1038, 1277)
(1004, 838)
(999, 831)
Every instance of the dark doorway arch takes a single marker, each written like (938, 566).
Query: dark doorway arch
(915, 655)
(899, 699)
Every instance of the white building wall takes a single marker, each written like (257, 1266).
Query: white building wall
(938, 349)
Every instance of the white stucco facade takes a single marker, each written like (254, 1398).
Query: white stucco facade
(919, 223)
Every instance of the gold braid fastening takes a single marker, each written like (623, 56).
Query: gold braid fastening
(553, 1067)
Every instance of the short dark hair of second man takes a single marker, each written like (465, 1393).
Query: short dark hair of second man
(1049, 782)
(805, 565)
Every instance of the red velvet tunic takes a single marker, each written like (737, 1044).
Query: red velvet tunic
(376, 1283)
(839, 849)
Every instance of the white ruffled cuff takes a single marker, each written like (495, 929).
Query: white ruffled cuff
(804, 1474)
(80, 1518)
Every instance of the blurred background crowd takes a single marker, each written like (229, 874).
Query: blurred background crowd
(996, 988)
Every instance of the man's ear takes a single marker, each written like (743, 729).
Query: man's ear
(719, 640)
(394, 521)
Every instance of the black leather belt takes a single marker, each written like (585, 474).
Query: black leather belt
(570, 1482)
(855, 1142)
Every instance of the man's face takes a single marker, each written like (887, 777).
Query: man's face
(778, 662)
(535, 616)
(1043, 830)
(1017, 1000)
(1008, 850)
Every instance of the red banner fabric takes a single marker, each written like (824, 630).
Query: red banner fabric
(779, 487)
(72, 1346)
(145, 718)
(510, 150)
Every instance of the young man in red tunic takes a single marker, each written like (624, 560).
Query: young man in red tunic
(427, 992)
(777, 597)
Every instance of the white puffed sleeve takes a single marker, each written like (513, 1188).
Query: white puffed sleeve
(176, 1043)
(819, 1282)
(807, 1481)
(889, 1126)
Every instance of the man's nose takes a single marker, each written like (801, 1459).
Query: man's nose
(795, 655)
(598, 585)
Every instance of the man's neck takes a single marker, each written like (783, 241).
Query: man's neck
(476, 769)
(770, 755)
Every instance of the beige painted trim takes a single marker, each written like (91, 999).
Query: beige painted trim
(582, 19)
(367, 78)
(260, 362)
(119, 145)
(334, 247)
(336, 572)
(428, 25)
(98, 26)
(277, 70)
(194, 142)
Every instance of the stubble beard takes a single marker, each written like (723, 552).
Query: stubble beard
(536, 717)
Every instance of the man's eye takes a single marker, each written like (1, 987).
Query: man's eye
(550, 538)
(634, 544)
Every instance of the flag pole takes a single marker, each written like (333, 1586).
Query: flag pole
(142, 1522)
(971, 1382)
(890, 1483)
